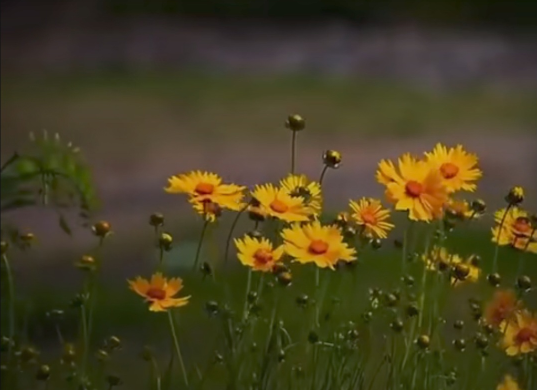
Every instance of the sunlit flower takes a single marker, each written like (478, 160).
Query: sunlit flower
(415, 188)
(258, 253)
(276, 202)
(520, 333)
(439, 259)
(464, 271)
(457, 167)
(502, 307)
(299, 185)
(508, 383)
(159, 292)
(207, 187)
(207, 209)
(461, 209)
(371, 216)
(322, 245)
(517, 229)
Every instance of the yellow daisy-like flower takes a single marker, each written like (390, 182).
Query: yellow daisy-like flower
(159, 291)
(415, 188)
(207, 209)
(457, 167)
(258, 253)
(461, 209)
(508, 383)
(439, 259)
(369, 214)
(516, 230)
(471, 272)
(207, 187)
(322, 245)
(520, 333)
(503, 305)
(299, 185)
(387, 173)
(276, 202)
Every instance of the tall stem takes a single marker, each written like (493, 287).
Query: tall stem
(176, 345)
(85, 339)
(200, 242)
(11, 307)
(496, 250)
(293, 151)
(248, 285)
(323, 172)
(230, 234)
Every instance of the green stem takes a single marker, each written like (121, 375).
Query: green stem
(323, 172)
(10, 161)
(317, 297)
(496, 250)
(156, 371)
(176, 345)
(293, 151)
(11, 308)
(248, 285)
(230, 234)
(200, 242)
(85, 340)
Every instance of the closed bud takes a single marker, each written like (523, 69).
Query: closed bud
(156, 220)
(206, 269)
(86, 263)
(295, 123)
(524, 283)
(313, 337)
(353, 334)
(515, 196)
(459, 324)
(488, 328)
(412, 310)
(101, 229)
(113, 343)
(28, 354)
(367, 316)
(279, 268)
(302, 300)
(494, 279)
(255, 234)
(332, 159)
(68, 354)
(252, 297)
(165, 241)
(256, 213)
(113, 380)
(281, 356)
(391, 300)
(285, 278)
(43, 373)
(461, 271)
(481, 341)
(211, 307)
(475, 260)
(397, 325)
(102, 355)
(376, 243)
(423, 341)
(408, 280)
(459, 344)
(478, 206)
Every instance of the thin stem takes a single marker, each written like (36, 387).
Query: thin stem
(85, 339)
(522, 258)
(156, 372)
(496, 250)
(317, 284)
(200, 242)
(11, 307)
(323, 172)
(231, 230)
(176, 344)
(293, 151)
(248, 285)
(10, 161)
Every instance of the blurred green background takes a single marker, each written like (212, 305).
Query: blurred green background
(138, 123)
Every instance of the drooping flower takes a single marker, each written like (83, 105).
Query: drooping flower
(299, 185)
(520, 333)
(159, 292)
(439, 259)
(258, 253)
(502, 307)
(457, 167)
(276, 202)
(508, 383)
(207, 187)
(371, 216)
(313, 242)
(461, 209)
(517, 229)
(210, 211)
(415, 188)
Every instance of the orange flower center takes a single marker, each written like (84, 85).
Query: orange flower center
(204, 189)
(278, 206)
(369, 218)
(263, 256)
(449, 170)
(524, 335)
(522, 224)
(156, 293)
(318, 247)
(413, 188)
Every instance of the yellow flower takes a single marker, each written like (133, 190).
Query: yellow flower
(502, 307)
(461, 209)
(457, 167)
(520, 333)
(207, 209)
(299, 185)
(207, 187)
(508, 383)
(369, 214)
(258, 253)
(439, 259)
(322, 245)
(470, 272)
(516, 230)
(416, 188)
(276, 202)
(387, 173)
(159, 291)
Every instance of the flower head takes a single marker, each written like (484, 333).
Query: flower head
(516, 230)
(502, 307)
(207, 209)
(461, 209)
(206, 187)
(299, 185)
(464, 271)
(520, 333)
(439, 259)
(457, 167)
(371, 216)
(508, 383)
(276, 202)
(258, 253)
(313, 242)
(159, 292)
(415, 187)
(515, 196)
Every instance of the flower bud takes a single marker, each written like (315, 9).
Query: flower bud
(376, 243)
(494, 279)
(481, 341)
(459, 324)
(423, 341)
(412, 310)
(101, 229)
(524, 283)
(397, 325)
(515, 196)
(113, 343)
(165, 241)
(156, 220)
(43, 373)
(461, 271)
(313, 337)
(459, 344)
(332, 159)
(86, 263)
(302, 300)
(285, 278)
(478, 206)
(4, 246)
(206, 269)
(28, 354)
(211, 307)
(102, 355)
(295, 123)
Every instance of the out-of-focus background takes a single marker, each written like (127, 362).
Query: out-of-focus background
(152, 88)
